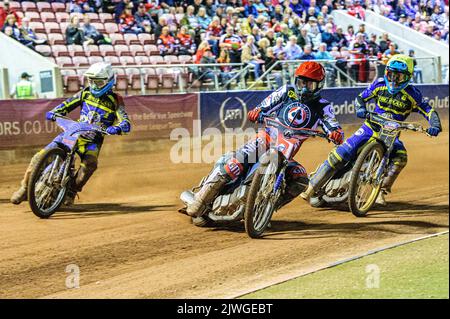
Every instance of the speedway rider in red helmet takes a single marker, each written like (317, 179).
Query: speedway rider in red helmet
(298, 106)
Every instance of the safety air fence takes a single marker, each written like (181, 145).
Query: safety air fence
(23, 124)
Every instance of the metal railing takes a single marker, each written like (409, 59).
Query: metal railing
(211, 77)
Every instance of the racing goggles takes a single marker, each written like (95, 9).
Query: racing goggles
(97, 84)
(304, 84)
(397, 77)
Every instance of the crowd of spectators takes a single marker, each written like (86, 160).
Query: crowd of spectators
(429, 17)
(254, 32)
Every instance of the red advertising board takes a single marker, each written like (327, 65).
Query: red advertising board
(22, 122)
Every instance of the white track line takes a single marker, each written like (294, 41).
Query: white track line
(340, 262)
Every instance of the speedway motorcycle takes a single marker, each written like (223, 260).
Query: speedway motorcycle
(55, 171)
(256, 196)
(358, 184)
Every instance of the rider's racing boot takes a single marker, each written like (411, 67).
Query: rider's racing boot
(70, 198)
(381, 200)
(19, 196)
(392, 174)
(209, 190)
(318, 179)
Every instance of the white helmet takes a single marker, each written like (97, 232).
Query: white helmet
(100, 78)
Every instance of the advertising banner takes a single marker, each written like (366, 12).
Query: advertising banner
(22, 122)
(228, 110)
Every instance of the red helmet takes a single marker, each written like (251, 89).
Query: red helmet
(309, 79)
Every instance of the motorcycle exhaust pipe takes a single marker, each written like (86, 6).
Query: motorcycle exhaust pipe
(187, 197)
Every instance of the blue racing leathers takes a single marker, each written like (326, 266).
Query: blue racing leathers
(399, 106)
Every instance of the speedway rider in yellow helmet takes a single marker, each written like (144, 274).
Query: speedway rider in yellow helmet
(98, 105)
(393, 94)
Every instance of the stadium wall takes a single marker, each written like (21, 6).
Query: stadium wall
(23, 124)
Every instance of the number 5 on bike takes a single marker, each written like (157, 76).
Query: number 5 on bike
(51, 178)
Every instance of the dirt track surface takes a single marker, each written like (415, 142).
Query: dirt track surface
(129, 241)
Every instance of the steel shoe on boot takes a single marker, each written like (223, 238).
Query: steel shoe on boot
(19, 196)
(70, 198)
(306, 195)
(209, 190)
(380, 199)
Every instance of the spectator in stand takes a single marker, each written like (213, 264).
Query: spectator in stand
(144, 20)
(373, 45)
(224, 58)
(417, 75)
(356, 9)
(293, 50)
(270, 35)
(27, 33)
(341, 39)
(362, 30)
(80, 6)
(233, 43)
(74, 32)
(190, 20)
(203, 19)
(263, 45)
(331, 74)
(277, 69)
(279, 46)
(10, 22)
(211, 8)
(128, 24)
(359, 49)
(120, 8)
(251, 55)
(314, 32)
(91, 33)
(384, 42)
(210, 73)
(304, 38)
(329, 37)
(162, 23)
(307, 53)
(5, 11)
(350, 36)
(213, 34)
(166, 43)
(186, 45)
(389, 53)
(201, 50)
(297, 7)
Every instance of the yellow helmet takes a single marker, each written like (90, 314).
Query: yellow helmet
(398, 74)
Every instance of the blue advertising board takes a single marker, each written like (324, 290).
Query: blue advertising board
(228, 110)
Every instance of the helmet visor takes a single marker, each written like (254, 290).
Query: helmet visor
(397, 78)
(97, 84)
(307, 84)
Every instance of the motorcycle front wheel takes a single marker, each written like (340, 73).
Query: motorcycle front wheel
(45, 193)
(364, 187)
(261, 199)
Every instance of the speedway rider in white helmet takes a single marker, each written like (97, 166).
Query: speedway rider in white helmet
(98, 105)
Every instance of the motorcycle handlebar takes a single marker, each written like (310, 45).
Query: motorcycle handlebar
(100, 130)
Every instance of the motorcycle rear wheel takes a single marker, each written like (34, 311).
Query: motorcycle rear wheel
(44, 200)
(363, 193)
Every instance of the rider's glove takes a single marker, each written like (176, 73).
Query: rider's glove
(253, 115)
(50, 116)
(337, 136)
(113, 130)
(361, 112)
(433, 131)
